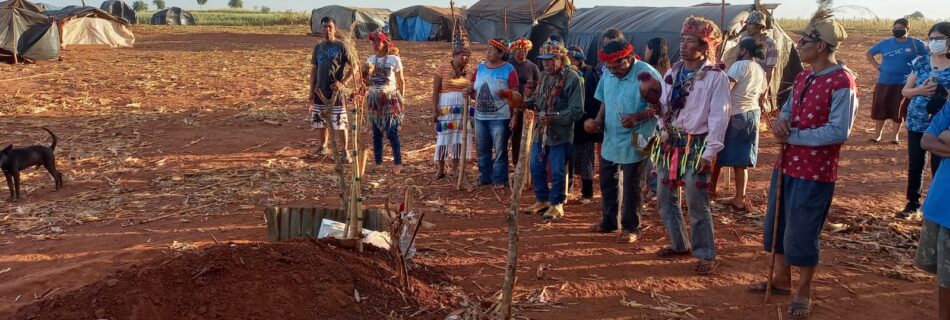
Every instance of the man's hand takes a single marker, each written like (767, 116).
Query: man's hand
(650, 88)
(592, 126)
(335, 86)
(628, 121)
(945, 137)
(547, 119)
(705, 166)
(781, 129)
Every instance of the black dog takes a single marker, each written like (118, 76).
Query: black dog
(12, 161)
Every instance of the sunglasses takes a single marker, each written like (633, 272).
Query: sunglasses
(802, 42)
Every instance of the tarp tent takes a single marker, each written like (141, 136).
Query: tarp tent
(363, 20)
(173, 16)
(423, 23)
(47, 7)
(89, 25)
(120, 9)
(535, 20)
(640, 24)
(26, 33)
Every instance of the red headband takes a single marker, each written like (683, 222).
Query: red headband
(611, 57)
(377, 36)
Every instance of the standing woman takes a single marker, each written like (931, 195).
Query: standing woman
(656, 55)
(495, 86)
(925, 99)
(448, 99)
(384, 99)
(528, 77)
(748, 81)
(897, 54)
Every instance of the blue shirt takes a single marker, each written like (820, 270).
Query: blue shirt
(897, 56)
(917, 117)
(937, 205)
(488, 84)
(622, 96)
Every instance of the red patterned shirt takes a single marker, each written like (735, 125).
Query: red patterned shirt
(821, 110)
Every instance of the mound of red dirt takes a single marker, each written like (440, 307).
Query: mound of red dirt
(296, 280)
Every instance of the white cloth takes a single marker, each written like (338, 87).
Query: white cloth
(383, 76)
(448, 143)
(750, 85)
(96, 31)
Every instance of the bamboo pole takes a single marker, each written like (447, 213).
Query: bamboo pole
(15, 60)
(328, 119)
(511, 268)
(463, 155)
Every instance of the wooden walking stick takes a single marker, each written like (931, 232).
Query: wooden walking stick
(778, 213)
(511, 268)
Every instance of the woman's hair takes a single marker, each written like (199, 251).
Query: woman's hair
(660, 57)
(614, 34)
(754, 47)
(942, 27)
(903, 22)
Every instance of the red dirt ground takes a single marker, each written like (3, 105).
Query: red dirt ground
(297, 280)
(196, 130)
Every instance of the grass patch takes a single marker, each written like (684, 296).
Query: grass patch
(866, 25)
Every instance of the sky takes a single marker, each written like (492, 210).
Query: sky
(789, 9)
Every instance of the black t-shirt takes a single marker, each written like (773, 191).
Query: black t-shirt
(330, 59)
(591, 106)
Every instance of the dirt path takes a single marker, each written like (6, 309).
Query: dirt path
(205, 128)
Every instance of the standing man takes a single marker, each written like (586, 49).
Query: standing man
(625, 119)
(332, 68)
(755, 28)
(931, 252)
(814, 123)
(693, 122)
(897, 54)
(558, 102)
(495, 86)
(528, 76)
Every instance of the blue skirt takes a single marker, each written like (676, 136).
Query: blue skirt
(741, 144)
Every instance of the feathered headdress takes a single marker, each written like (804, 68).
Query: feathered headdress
(823, 26)
(460, 43)
(705, 30)
(522, 43)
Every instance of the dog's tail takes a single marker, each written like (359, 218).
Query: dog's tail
(51, 146)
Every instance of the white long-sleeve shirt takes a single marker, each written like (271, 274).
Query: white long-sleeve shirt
(707, 106)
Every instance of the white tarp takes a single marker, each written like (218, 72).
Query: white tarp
(97, 31)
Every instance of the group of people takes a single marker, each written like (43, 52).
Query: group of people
(669, 129)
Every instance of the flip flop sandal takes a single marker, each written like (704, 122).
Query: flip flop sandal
(597, 228)
(794, 306)
(761, 287)
(710, 266)
(669, 254)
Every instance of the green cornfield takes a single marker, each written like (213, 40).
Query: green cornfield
(238, 17)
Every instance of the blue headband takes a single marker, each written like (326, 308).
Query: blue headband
(577, 55)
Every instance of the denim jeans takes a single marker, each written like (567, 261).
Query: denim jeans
(700, 216)
(556, 156)
(492, 135)
(393, 135)
(915, 168)
(609, 190)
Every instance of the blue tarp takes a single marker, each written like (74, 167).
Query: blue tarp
(413, 28)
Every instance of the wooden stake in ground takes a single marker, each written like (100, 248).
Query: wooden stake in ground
(511, 268)
(777, 209)
(463, 154)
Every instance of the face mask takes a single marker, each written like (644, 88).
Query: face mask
(899, 33)
(938, 46)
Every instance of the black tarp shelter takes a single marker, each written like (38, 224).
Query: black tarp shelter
(173, 16)
(27, 33)
(120, 9)
(534, 20)
(423, 23)
(363, 20)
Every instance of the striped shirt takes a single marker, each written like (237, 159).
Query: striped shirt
(449, 82)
